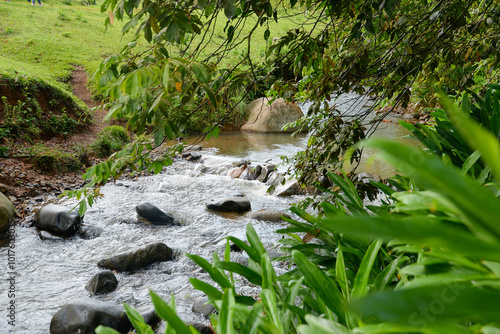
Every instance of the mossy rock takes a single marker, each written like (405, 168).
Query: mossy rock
(6, 213)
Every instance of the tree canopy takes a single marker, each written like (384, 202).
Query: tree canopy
(393, 50)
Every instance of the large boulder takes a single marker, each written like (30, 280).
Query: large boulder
(154, 215)
(58, 220)
(265, 117)
(103, 282)
(83, 316)
(6, 213)
(158, 252)
(231, 204)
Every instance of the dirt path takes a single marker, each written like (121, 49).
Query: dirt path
(22, 183)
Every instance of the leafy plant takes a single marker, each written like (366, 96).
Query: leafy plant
(49, 159)
(444, 140)
(111, 139)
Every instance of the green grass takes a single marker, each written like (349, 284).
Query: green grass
(37, 41)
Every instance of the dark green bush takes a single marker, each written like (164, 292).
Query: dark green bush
(110, 140)
(50, 160)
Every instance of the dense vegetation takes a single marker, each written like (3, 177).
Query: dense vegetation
(426, 260)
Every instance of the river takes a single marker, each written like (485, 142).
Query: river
(51, 274)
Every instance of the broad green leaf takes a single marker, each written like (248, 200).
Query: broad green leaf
(268, 274)
(229, 9)
(209, 290)
(430, 172)
(105, 330)
(447, 278)
(254, 240)
(137, 321)
(427, 231)
(471, 160)
(340, 273)
(216, 275)
(430, 306)
(360, 287)
(322, 285)
(225, 324)
(249, 274)
(317, 325)
(166, 313)
(475, 135)
(252, 252)
(268, 299)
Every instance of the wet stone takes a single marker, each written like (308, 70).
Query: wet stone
(231, 204)
(103, 282)
(158, 252)
(200, 306)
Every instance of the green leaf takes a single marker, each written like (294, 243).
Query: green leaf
(422, 230)
(137, 321)
(225, 324)
(252, 252)
(105, 330)
(215, 274)
(475, 135)
(166, 313)
(267, 33)
(430, 306)
(430, 172)
(229, 9)
(249, 274)
(317, 325)
(360, 287)
(321, 284)
(210, 291)
(340, 273)
(269, 301)
(254, 241)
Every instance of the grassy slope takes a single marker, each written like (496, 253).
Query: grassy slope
(48, 41)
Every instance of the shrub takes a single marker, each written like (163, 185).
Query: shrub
(110, 140)
(50, 160)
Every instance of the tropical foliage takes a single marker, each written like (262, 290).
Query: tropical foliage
(426, 260)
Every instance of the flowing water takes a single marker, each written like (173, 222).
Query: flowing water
(51, 274)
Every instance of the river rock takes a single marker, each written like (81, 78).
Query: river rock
(84, 315)
(200, 306)
(247, 175)
(45, 235)
(231, 204)
(367, 177)
(265, 117)
(203, 329)
(58, 219)
(154, 215)
(267, 215)
(195, 148)
(265, 172)
(275, 179)
(103, 282)
(90, 232)
(290, 188)
(236, 172)
(240, 163)
(195, 156)
(158, 252)
(6, 213)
